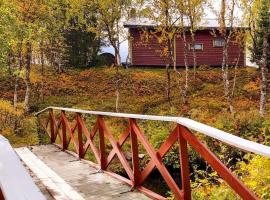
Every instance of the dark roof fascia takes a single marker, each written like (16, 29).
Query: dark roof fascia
(202, 28)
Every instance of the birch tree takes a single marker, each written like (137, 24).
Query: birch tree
(226, 29)
(9, 32)
(172, 20)
(194, 13)
(110, 17)
(166, 20)
(258, 18)
(30, 13)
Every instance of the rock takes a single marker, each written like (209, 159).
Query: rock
(128, 156)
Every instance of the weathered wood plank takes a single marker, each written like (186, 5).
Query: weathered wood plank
(88, 181)
(58, 188)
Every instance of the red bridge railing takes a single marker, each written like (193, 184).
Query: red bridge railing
(77, 130)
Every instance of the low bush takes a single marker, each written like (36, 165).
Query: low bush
(19, 128)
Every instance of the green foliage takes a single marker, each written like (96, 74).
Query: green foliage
(18, 128)
(10, 120)
(262, 27)
(8, 30)
(82, 48)
(221, 192)
(256, 174)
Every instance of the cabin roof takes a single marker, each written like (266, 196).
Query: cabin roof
(206, 23)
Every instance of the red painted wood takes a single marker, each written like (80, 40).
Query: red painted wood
(45, 127)
(144, 53)
(165, 147)
(116, 147)
(123, 137)
(58, 126)
(135, 156)
(80, 136)
(184, 163)
(71, 133)
(158, 162)
(150, 193)
(101, 144)
(64, 132)
(52, 133)
(90, 141)
(218, 166)
(136, 176)
(147, 54)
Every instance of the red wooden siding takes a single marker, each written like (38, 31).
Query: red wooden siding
(145, 53)
(148, 54)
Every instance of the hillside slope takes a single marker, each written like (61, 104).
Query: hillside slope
(143, 91)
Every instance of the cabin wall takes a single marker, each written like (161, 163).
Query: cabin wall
(149, 53)
(145, 53)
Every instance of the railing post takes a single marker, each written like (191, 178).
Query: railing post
(135, 156)
(101, 143)
(184, 163)
(64, 131)
(80, 138)
(52, 124)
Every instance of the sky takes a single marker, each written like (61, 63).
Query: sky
(123, 50)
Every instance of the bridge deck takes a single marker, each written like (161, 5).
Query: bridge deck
(71, 176)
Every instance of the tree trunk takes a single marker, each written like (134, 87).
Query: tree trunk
(226, 83)
(194, 54)
(59, 67)
(235, 74)
(20, 58)
(117, 89)
(15, 96)
(117, 59)
(168, 85)
(9, 63)
(42, 72)
(20, 65)
(184, 95)
(264, 71)
(27, 75)
(117, 63)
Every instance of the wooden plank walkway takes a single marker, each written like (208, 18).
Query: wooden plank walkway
(66, 177)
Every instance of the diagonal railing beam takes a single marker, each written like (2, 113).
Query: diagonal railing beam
(217, 165)
(116, 147)
(158, 162)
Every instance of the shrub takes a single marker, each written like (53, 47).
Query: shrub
(10, 119)
(18, 128)
(256, 174)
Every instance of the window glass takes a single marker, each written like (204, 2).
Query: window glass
(196, 46)
(219, 43)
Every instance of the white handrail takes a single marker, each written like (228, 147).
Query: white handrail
(188, 123)
(15, 182)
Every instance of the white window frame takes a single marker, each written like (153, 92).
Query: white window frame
(190, 46)
(218, 40)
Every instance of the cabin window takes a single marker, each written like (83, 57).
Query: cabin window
(218, 42)
(196, 46)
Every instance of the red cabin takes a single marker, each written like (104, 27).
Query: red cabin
(208, 46)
